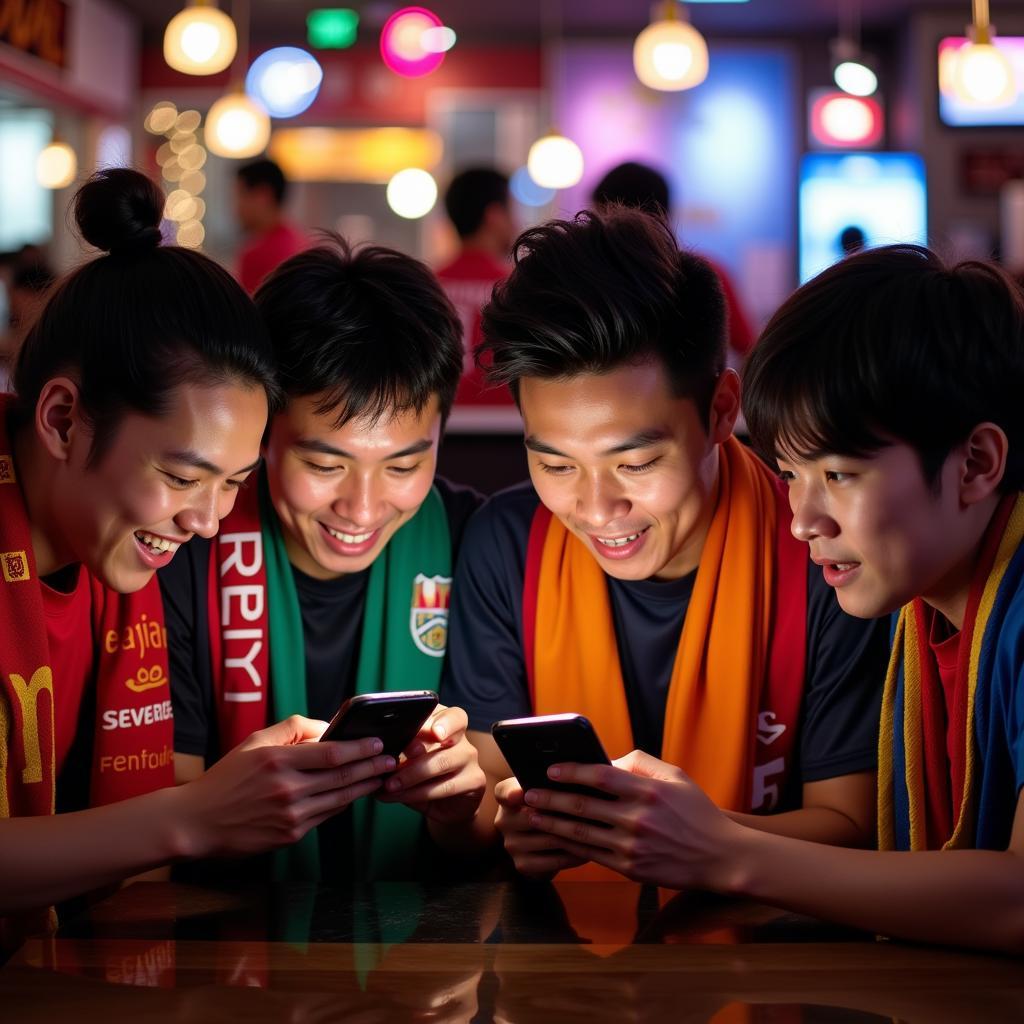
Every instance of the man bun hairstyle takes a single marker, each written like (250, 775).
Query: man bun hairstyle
(133, 325)
(119, 210)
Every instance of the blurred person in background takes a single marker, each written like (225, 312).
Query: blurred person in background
(477, 203)
(30, 279)
(260, 191)
(640, 186)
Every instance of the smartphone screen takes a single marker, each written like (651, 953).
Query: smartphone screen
(532, 745)
(394, 717)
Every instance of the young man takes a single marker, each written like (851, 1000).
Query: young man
(332, 576)
(260, 191)
(649, 581)
(477, 204)
(889, 390)
(136, 419)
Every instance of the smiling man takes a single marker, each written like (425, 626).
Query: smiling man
(333, 574)
(648, 579)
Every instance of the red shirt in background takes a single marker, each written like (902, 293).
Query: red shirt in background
(267, 252)
(69, 632)
(740, 336)
(468, 280)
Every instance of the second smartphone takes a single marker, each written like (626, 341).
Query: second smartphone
(394, 717)
(532, 745)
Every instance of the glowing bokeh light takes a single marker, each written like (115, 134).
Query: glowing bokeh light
(412, 193)
(285, 80)
(401, 42)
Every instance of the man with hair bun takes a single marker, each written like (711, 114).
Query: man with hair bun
(142, 392)
(337, 563)
(648, 579)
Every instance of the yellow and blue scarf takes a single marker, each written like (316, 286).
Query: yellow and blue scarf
(906, 778)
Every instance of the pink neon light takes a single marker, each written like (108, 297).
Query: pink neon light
(400, 48)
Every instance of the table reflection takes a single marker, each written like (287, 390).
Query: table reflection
(512, 953)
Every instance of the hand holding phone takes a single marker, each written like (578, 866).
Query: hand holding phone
(532, 745)
(393, 717)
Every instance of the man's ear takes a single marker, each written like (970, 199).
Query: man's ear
(983, 465)
(58, 418)
(725, 407)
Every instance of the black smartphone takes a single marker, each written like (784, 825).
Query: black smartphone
(532, 745)
(394, 717)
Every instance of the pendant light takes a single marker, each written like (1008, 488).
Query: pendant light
(670, 54)
(554, 160)
(982, 75)
(200, 40)
(238, 126)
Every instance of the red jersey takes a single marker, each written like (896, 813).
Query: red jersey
(267, 252)
(740, 337)
(69, 632)
(468, 280)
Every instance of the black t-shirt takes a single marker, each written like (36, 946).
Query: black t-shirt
(485, 671)
(332, 618)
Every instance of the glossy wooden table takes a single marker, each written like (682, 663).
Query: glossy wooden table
(483, 952)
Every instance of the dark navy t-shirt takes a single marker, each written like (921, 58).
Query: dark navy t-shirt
(485, 671)
(332, 620)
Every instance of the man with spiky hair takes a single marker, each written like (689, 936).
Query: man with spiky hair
(332, 576)
(647, 579)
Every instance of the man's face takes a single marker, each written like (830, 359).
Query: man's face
(161, 481)
(626, 466)
(881, 535)
(252, 205)
(341, 493)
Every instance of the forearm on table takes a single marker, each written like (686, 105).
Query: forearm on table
(955, 897)
(815, 824)
(48, 858)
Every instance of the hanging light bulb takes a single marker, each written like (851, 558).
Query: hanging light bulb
(236, 126)
(670, 54)
(981, 74)
(555, 161)
(56, 166)
(200, 40)
(852, 71)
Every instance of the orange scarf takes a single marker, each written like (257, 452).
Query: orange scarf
(734, 698)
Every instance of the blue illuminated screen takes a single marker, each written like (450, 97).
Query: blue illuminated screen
(883, 194)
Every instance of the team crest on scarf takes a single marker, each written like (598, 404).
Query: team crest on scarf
(428, 618)
(15, 566)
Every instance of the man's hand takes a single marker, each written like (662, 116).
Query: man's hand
(439, 774)
(274, 787)
(661, 828)
(536, 854)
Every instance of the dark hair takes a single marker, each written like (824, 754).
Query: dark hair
(852, 239)
(606, 289)
(891, 345)
(265, 172)
(470, 193)
(633, 184)
(133, 325)
(32, 277)
(371, 328)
